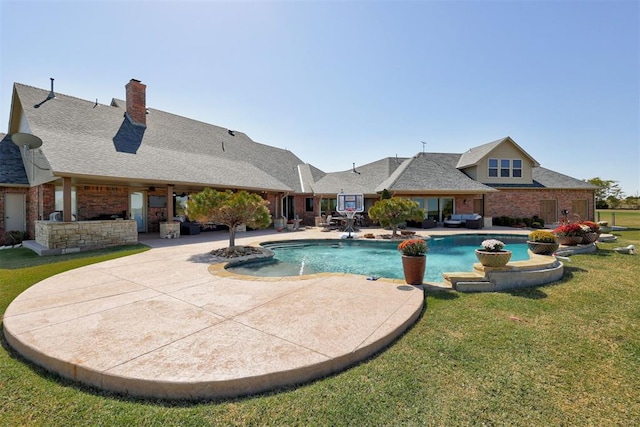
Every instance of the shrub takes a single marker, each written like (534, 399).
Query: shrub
(14, 237)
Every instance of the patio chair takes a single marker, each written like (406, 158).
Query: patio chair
(327, 224)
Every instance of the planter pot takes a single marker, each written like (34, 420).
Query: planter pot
(569, 240)
(493, 259)
(413, 267)
(543, 248)
(589, 238)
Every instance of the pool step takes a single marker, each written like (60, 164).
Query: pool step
(452, 279)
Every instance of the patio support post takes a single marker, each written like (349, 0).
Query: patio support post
(66, 199)
(170, 214)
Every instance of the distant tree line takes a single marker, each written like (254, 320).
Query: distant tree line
(609, 195)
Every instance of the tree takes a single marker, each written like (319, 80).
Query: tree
(394, 211)
(230, 209)
(385, 194)
(608, 192)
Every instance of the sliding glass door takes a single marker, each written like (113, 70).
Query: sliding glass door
(439, 208)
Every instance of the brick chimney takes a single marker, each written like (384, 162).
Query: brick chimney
(137, 102)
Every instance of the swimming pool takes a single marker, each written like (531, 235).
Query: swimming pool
(373, 258)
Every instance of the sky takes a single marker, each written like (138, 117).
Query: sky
(343, 82)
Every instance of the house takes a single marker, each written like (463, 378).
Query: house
(125, 160)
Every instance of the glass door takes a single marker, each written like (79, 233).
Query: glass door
(446, 207)
(137, 209)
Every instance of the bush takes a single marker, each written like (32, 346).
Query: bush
(14, 237)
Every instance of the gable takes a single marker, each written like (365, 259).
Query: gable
(501, 162)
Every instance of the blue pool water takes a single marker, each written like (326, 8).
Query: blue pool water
(378, 258)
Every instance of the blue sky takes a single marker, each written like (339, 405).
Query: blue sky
(339, 82)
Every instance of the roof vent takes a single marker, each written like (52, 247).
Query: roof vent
(231, 132)
(49, 97)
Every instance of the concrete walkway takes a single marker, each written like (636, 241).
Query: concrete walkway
(159, 324)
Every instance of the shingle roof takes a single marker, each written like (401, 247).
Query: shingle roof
(84, 139)
(78, 139)
(432, 172)
(556, 180)
(364, 180)
(475, 154)
(12, 171)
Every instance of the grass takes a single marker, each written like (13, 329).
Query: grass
(562, 354)
(623, 217)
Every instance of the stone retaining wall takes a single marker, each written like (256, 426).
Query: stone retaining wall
(79, 236)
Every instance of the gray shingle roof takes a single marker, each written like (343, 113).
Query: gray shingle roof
(475, 154)
(12, 171)
(78, 139)
(432, 172)
(364, 180)
(84, 139)
(555, 180)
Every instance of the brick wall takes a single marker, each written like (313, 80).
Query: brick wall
(93, 201)
(526, 203)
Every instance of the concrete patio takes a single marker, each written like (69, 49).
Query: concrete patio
(172, 323)
(158, 324)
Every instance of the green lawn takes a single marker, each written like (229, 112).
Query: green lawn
(562, 354)
(623, 217)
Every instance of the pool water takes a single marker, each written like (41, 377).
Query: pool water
(373, 258)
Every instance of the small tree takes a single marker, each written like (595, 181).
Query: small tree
(394, 211)
(608, 194)
(230, 209)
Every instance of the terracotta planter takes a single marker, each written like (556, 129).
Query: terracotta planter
(543, 248)
(413, 267)
(589, 238)
(493, 259)
(570, 240)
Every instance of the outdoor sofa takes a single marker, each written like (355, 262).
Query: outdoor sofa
(464, 220)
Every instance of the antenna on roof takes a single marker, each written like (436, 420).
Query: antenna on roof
(354, 169)
(50, 96)
(423, 145)
(96, 104)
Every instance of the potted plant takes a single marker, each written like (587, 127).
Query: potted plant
(569, 234)
(542, 242)
(591, 232)
(414, 260)
(493, 253)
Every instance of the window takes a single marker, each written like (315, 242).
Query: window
(516, 170)
(59, 202)
(505, 168)
(308, 204)
(493, 168)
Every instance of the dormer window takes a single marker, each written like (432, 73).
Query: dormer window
(493, 168)
(516, 168)
(505, 168)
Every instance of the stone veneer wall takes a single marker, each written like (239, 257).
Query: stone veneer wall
(85, 235)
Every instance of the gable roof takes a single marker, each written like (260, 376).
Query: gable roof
(432, 172)
(83, 139)
(361, 179)
(473, 156)
(12, 172)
